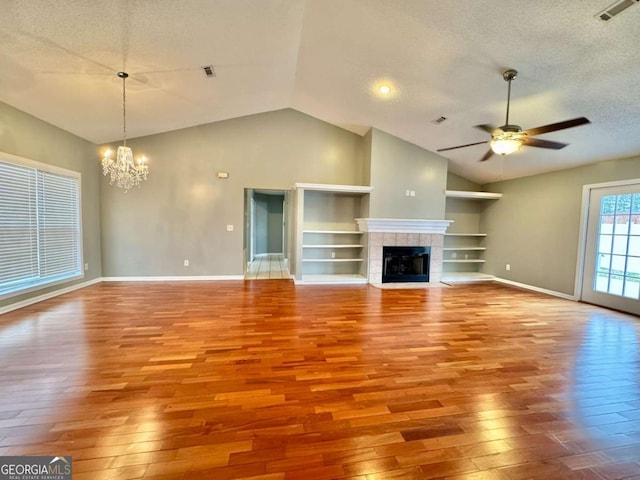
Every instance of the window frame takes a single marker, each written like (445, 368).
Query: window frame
(56, 170)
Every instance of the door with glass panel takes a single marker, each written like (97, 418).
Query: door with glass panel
(612, 254)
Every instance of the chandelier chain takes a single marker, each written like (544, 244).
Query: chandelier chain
(124, 110)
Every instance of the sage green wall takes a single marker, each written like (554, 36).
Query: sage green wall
(397, 166)
(182, 210)
(27, 136)
(535, 226)
(464, 213)
(456, 182)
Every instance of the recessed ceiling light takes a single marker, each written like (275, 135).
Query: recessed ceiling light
(384, 89)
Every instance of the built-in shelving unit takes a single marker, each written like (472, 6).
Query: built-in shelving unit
(472, 195)
(464, 260)
(330, 248)
(464, 250)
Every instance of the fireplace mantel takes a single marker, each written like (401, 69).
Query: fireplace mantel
(395, 225)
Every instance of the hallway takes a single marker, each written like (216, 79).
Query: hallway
(268, 266)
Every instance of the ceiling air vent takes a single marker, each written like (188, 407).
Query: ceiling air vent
(439, 120)
(615, 9)
(209, 71)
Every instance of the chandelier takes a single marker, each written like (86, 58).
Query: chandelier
(123, 171)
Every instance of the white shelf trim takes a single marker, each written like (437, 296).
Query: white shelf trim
(336, 278)
(335, 232)
(331, 260)
(321, 187)
(465, 234)
(332, 246)
(398, 225)
(472, 195)
(464, 260)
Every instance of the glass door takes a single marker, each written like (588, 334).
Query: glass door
(612, 255)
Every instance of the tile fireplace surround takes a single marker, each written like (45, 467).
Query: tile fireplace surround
(391, 232)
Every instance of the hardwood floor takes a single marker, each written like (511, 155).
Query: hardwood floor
(265, 380)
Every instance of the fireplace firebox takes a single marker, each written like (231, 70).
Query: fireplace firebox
(405, 264)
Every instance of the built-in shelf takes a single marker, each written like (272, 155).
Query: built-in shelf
(465, 234)
(335, 232)
(337, 278)
(463, 260)
(329, 246)
(332, 260)
(332, 246)
(465, 241)
(321, 187)
(472, 195)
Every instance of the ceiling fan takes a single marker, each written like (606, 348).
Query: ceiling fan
(509, 138)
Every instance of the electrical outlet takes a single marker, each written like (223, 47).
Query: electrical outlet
(466, 256)
(186, 262)
(86, 267)
(508, 267)
(454, 255)
(413, 193)
(333, 254)
(407, 193)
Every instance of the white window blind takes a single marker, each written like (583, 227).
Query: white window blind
(40, 234)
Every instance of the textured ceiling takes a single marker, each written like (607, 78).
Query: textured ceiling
(326, 57)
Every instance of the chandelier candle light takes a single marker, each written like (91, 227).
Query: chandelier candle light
(123, 171)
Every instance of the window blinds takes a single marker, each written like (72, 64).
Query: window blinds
(40, 235)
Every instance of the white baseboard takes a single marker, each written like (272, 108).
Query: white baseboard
(174, 279)
(536, 289)
(46, 296)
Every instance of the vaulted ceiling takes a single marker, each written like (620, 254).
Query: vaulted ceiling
(327, 58)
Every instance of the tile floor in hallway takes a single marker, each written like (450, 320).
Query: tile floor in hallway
(268, 266)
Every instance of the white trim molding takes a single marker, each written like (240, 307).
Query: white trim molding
(395, 225)
(536, 289)
(174, 279)
(472, 195)
(584, 218)
(321, 187)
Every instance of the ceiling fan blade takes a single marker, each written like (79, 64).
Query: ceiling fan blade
(487, 156)
(537, 142)
(461, 146)
(487, 128)
(553, 127)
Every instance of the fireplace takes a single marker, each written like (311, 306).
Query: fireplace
(405, 264)
(388, 232)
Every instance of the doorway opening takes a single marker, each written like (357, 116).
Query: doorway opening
(266, 234)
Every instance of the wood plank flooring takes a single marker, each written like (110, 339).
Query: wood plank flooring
(268, 381)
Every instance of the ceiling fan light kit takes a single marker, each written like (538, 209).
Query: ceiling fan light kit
(504, 145)
(509, 138)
